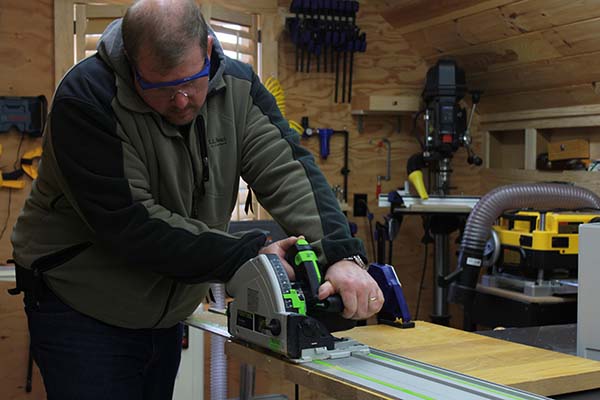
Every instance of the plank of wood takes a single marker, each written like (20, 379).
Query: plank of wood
(567, 40)
(26, 48)
(531, 146)
(400, 103)
(105, 11)
(568, 149)
(511, 294)
(509, 21)
(271, 26)
(560, 97)
(565, 71)
(494, 177)
(524, 367)
(64, 43)
(543, 113)
(420, 14)
(544, 123)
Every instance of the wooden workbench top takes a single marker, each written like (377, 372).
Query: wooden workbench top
(529, 368)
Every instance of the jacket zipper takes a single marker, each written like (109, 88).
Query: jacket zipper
(199, 191)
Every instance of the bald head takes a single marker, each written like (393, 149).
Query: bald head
(163, 30)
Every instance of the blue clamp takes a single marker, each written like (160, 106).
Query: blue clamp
(395, 309)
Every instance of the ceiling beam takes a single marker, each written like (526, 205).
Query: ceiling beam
(413, 15)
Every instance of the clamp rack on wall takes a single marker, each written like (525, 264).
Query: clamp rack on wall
(327, 31)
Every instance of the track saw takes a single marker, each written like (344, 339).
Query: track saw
(274, 314)
(287, 317)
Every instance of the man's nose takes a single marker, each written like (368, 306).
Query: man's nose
(181, 99)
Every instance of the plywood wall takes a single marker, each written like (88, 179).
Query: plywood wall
(26, 69)
(524, 54)
(389, 67)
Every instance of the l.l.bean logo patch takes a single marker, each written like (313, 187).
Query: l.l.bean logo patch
(218, 141)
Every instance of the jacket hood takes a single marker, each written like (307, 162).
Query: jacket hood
(111, 50)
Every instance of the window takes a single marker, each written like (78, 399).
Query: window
(90, 21)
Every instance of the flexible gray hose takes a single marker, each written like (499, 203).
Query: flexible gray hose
(218, 360)
(538, 195)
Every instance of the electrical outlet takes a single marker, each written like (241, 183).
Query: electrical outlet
(360, 205)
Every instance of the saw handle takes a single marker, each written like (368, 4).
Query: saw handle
(308, 274)
(303, 259)
(332, 304)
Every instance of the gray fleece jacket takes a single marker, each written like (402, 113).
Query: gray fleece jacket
(127, 220)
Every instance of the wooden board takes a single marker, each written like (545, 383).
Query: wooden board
(508, 21)
(540, 371)
(26, 47)
(421, 14)
(399, 103)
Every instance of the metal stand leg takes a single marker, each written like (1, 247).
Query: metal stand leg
(441, 268)
(247, 375)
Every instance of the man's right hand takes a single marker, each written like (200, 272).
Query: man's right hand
(280, 248)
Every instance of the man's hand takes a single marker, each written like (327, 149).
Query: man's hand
(280, 248)
(360, 293)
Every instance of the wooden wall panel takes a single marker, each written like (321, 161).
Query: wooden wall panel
(389, 67)
(524, 55)
(566, 71)
(27, 69)
(421, 14)
(547, 98)
(26, 45)
(495, 24)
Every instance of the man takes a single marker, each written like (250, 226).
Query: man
(125, 225)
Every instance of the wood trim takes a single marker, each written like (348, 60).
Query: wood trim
(80, 30)
(242, 34)
(510, 42)
(530, 148)
(64, 43)
(422, 14)
(545, 123)
(271, 27)
(240, 17)
(105, 11)
(558, 112)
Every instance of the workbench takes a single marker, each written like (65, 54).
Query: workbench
(529, 368)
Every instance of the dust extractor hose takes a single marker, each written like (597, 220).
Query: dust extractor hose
(491, 206)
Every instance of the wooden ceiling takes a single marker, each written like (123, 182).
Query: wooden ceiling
(525, 54)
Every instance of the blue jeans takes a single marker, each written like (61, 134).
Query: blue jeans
(81, 358)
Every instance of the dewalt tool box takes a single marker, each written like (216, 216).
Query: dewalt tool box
(541, 240)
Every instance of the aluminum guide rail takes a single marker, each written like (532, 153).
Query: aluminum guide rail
(392, 375)
(402, 378)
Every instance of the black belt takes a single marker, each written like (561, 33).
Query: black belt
(30, 280)
(31, 283)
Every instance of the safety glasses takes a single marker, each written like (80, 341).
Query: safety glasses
(145, 85)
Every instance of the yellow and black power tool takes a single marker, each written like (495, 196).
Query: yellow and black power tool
(534, 241)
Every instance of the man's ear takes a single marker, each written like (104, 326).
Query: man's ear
(209, 46)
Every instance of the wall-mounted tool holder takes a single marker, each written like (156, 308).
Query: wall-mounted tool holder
(326, 35)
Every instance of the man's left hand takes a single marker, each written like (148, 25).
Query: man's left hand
(360, 293)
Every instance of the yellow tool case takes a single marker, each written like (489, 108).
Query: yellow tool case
(541, 240)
